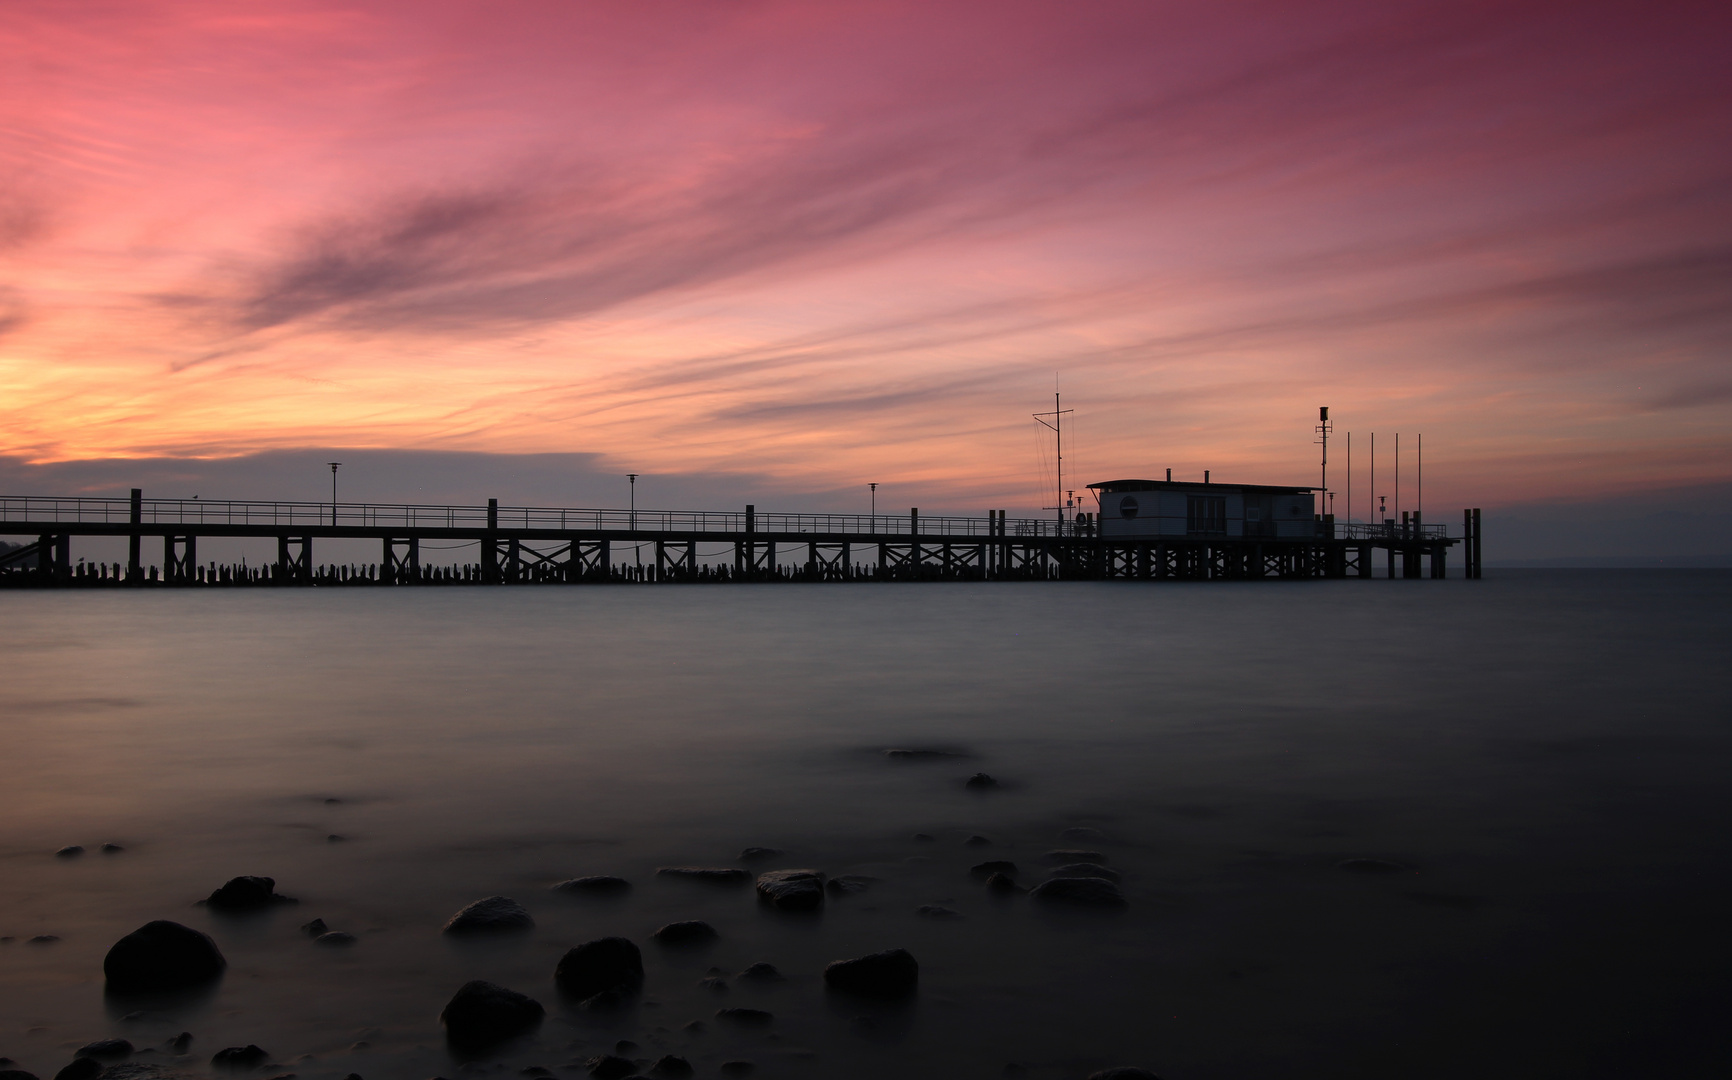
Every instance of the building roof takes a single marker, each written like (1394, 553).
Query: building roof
(1109, 486)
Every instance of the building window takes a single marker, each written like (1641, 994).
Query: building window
(1206, 515)
(1128, 507)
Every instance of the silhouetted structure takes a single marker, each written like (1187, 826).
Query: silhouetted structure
(553, 545)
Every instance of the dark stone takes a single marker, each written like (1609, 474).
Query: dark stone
(714, 984)
(1002, 883)
(995, 866)
(180, 1043)
(43, 939)
(937, 911)
(885, 974)
(111, 849)
(672, 1067)
(925, 838)
(695, 1027)
(921, 755)
(481, 1014)
(762, 972)
(1123, 1072)
(715, 875)
(162, 955)
(314, 928)
(610, 1067)
(333, 838)
(1086, 891)
(792, 890)
(980, 781)
(106, 1048)
(689, 932)
(1070, 855)
(745, 1017)
(752, 854)
(247, 893)
(70, 850)
(334, 937)
(81, 1069)
(594, 885)
(16, 1074)
(848, 884)
(490, 915)
(737, 1068)
(606, 964)
(240, 1057)
(1083, 869)
(1373, 866)
(977, 841)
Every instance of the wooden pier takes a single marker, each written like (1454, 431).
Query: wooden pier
(540, 545)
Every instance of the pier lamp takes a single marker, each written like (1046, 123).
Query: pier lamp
(333, 465)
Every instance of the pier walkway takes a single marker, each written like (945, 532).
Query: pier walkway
(551, 545)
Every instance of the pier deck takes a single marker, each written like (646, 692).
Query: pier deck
(571, 546)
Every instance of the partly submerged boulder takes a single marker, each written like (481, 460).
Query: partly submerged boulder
(884, 974)
(482, 1013)
(792, 890)
(606, 965)
(162, 955)
(247, 893)
(494, 913)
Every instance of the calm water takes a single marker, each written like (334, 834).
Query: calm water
(1549, 750)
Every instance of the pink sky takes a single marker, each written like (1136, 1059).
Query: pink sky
(836, 243)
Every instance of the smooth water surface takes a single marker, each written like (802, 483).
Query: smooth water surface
(1547, 752)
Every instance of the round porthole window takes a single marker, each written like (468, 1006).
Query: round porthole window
(1128, 506)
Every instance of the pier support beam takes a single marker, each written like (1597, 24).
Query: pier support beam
(294, 559)
(404, 569)
(179, 557)
(135, 571)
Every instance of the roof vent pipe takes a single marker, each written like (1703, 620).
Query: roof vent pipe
(1169, 476)
(1205, 476)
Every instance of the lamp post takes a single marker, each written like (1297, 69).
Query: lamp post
(874, 488)
(333, 465)
(636, 548)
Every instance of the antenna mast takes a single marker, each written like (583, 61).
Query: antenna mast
(1324, 428)
(1057, 428)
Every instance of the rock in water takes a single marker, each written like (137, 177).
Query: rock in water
(70, 850)
(610, 1067)
(1002, 883)
(671, 1067)
(162, 955)
(106, 1048)
(489, 915)
(240, 1057)
(1082, 891)
(690, 932)
(314, 928)
(16, 1074)
(1123, 1072)
(762, 972)
(334, 937)
(715, 875)
(81, 1069)
(886, 974)
(980, 782)
(937, 911)
(792, 890)
(1074, 856)
(995, 866)
(481, 1014)
(594, 885)
(595, 967)
(180, 1043)
(848, 884)
(752, 854)
(1083, 869)
(247, 893)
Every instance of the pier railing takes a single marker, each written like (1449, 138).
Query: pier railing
(1391, 530)
(195, 512)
